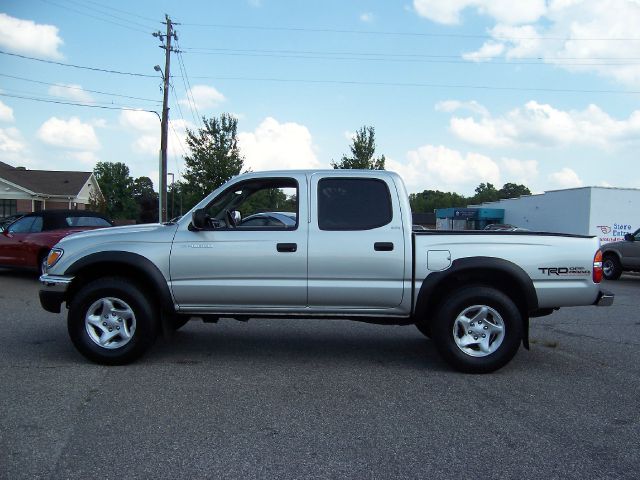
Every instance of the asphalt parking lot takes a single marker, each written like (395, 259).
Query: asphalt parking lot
(320, 399)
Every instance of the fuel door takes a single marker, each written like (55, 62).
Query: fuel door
(438, 260)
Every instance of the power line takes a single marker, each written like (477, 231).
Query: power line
(406, 34)
(100, 9)
(187, 86)
(543, 62)
(79, 12)
(79, 88)
(375, 54)
(59, 102)
(54, 97)
(109, 7)
(95, 69)
(175, 97)
(411, 84)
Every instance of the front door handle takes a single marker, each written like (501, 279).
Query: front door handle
(383, 246)
(287, 247)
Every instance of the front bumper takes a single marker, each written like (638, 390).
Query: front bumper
(605, 299)
(53, 290)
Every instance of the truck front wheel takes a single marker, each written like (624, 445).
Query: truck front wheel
(477, 329)
(611, 267)
(111, 321)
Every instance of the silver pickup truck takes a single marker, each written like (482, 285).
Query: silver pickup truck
(316, 244)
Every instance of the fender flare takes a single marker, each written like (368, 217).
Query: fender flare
(471, 265)
(157, 282)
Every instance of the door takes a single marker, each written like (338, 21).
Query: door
(14, 245)
(257, 263)
(356, 244)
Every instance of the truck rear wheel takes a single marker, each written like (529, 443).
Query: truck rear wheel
(111, 321)
(477, 329)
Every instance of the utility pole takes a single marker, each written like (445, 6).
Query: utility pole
(164, 125)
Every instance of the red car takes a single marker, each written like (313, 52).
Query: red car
(27, 241)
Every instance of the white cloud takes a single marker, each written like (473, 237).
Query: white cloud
(71, 91)
(558, 36)
(146, 127)
(441, 168)
(11, 140)
(455, 105)
(70, 133)
(519, 171)
(139, 120)
(6, 113)
(274, 145)
(204, 96)
(565, 178)
(448, 12)
(537, 124)
(86, 158)
(367, 17)
(488, 51)
(26, 36)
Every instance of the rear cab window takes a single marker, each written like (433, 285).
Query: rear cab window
(353, 204)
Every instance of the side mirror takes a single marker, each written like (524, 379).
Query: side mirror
(199, 219)
(629, 237)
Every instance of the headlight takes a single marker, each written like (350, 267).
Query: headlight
(54, 255)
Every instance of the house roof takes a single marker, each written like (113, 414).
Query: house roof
(46, 182)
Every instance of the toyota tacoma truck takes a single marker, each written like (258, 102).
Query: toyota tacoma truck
(348, 253)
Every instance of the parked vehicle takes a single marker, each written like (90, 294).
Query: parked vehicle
(622, 256)
(6, 221)
(351, 254)
(26, 242)
(269, 219)
(505, 227)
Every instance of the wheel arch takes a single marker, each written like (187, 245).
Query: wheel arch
(138, 268)
(612, 251)
(498, 273)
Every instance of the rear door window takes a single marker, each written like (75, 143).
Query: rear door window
(353, 204)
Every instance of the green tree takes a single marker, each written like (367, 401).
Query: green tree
(513, 190)
(429, 200)
(147, 200)
(485, 192)
(117, 187)
(362, 150)
(213, 159)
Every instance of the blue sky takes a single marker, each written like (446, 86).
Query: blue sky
(546, 94)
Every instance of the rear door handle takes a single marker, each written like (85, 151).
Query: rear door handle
(287, 247)
(383, 246)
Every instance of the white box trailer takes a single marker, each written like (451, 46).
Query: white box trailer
(605, 212)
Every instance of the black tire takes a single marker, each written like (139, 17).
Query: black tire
(498, 309)
(126, 297)
(424, 328)
(611, 267)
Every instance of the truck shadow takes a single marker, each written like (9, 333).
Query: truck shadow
(197, 344)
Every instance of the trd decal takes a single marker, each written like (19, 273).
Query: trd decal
(565, 271)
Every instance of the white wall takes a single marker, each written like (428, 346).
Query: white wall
(614, 212)
(607, 213)
(563, 211)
